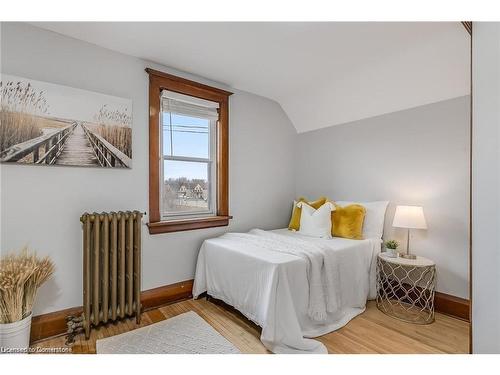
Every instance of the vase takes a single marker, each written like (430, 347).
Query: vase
(391, 253)
(15, 337)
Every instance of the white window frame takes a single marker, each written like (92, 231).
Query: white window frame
(211, 175)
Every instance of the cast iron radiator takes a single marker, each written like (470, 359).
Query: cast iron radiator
(111, 269)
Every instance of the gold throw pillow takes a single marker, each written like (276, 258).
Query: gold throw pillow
(347, 221)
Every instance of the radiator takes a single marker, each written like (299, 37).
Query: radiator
(111, 267)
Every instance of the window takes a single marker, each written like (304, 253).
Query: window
(188, 131)
(189, 156)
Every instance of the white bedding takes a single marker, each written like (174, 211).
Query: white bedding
(271, 287)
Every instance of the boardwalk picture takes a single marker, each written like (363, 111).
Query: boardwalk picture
(45, 123)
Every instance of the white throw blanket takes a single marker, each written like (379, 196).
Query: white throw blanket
(322, 270)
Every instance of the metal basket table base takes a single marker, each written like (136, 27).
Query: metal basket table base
(406, 291)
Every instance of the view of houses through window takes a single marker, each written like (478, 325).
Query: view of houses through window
(185, 195)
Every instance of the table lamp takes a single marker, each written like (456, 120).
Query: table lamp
(409, 217)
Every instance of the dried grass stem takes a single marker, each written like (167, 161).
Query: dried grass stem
(20, 277)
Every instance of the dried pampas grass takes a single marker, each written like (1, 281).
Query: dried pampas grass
(20, 277)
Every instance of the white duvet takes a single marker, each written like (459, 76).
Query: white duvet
(294, 287)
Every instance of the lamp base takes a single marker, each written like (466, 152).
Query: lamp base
(408, 256)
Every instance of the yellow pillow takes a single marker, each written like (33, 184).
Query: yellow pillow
(347, 221)
(295, 219)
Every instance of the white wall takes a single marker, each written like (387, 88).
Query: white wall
(41, 206)
(418, 156)
(486, 188)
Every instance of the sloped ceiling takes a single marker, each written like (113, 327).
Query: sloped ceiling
(322, 74)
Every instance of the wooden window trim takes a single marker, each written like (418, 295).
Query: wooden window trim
(159, 81)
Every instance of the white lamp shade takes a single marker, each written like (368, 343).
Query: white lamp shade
(409, 217)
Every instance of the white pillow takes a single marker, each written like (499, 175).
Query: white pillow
(373, 225)
(316, 223)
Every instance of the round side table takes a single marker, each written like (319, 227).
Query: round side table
(405, 288)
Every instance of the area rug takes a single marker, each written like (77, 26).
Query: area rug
(186, 333)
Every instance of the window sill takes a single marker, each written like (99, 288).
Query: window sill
(189, 224)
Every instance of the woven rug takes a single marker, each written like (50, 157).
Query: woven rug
(186, 333)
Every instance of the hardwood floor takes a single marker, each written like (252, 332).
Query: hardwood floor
(370, 332)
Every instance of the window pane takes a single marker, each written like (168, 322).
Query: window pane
(185, 136)
(186, 187)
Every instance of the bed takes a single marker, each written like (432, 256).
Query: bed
(271, 284)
